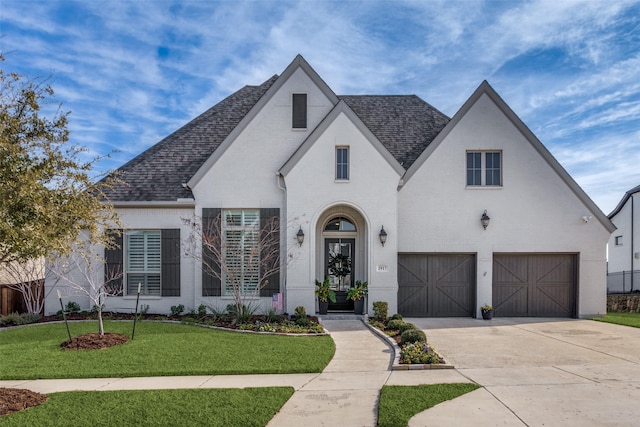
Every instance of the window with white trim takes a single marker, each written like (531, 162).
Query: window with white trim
(484, 168)
(241, 251)
(618, 240)
(342, 163)
(143, 261)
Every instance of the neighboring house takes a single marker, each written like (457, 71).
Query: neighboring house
(340, 169)
(624, 245)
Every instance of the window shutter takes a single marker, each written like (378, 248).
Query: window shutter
(114, 260)
(299, 111)
(273, 286)
(170, 269)
(211, 285)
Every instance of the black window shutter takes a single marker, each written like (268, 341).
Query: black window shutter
(211, 284)
(170, 270)
(299, 110)
(114, 263)
(273, 285)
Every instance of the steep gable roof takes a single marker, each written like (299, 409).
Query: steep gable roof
(340, 108)
(159, 172)
(486, 89)
(624, 200)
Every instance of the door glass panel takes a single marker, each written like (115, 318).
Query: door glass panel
(340, 264)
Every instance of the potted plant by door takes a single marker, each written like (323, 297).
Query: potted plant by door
(325, 294)
(487, 312)
(357, 294)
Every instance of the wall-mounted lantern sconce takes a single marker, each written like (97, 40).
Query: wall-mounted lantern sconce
(484, 219)
(300, 236)
(383, 236)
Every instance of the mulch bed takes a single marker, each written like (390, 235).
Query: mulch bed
(94, 341)
(17, 399)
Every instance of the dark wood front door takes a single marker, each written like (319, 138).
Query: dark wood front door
(339, 255)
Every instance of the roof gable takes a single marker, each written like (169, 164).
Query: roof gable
(624, 201)
(298, 63)
(158, 173)
(486, 89)
(340, 108)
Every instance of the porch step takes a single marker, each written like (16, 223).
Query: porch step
(340, 316)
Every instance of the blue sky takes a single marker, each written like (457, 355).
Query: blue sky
(133, 72)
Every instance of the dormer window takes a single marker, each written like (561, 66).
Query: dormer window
(299, 111)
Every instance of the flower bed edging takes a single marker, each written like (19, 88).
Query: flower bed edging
(397, 366)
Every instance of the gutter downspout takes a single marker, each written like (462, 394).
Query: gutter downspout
(284, 210)
(632, 239)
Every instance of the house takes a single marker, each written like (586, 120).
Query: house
(623, 269)
(439, 215)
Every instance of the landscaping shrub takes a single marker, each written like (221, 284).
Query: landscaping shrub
(202, 310)
(272, 315)
(412, 335)
(380, 310)
(177, 310)
(419, 352)
(404, 326)
(15, 319)
(395, 324)
(301, 316)
(242, 314)
(377, 324)
(396, 316)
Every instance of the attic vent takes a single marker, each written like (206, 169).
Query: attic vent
(299, 111)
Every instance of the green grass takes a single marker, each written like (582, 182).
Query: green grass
(399, 403)
(193, 407)
(159, 349)
(626, 319)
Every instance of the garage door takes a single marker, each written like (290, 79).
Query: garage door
(436, 285)
(534, 285)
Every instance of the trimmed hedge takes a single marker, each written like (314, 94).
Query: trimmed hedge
(412, 335)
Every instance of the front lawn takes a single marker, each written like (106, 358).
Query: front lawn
(626, 319)
(399, 403)
(159, 349)
(192, 407)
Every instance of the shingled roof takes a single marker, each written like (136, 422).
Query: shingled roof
(404, 124)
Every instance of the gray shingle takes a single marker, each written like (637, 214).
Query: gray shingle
(158, 173)
(405, 125)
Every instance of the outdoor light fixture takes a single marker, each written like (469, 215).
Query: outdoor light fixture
(300, 236)
(383, 236)
(485, 220)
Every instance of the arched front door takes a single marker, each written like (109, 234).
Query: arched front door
(339, 236)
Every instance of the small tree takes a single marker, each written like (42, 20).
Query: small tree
(47, 196)
(242, 259)
(83, 271)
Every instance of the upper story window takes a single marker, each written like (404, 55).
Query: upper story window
(618, 240)
(299, 120)
(143, 262)
(484, 168)
(342, 163)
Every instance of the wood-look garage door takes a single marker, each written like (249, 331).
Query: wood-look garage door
(436, 285)
(534, 285)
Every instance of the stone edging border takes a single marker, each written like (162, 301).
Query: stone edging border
(397, 366)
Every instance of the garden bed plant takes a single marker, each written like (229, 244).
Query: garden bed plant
(412, 342)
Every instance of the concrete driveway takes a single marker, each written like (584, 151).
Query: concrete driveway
(538, 372)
